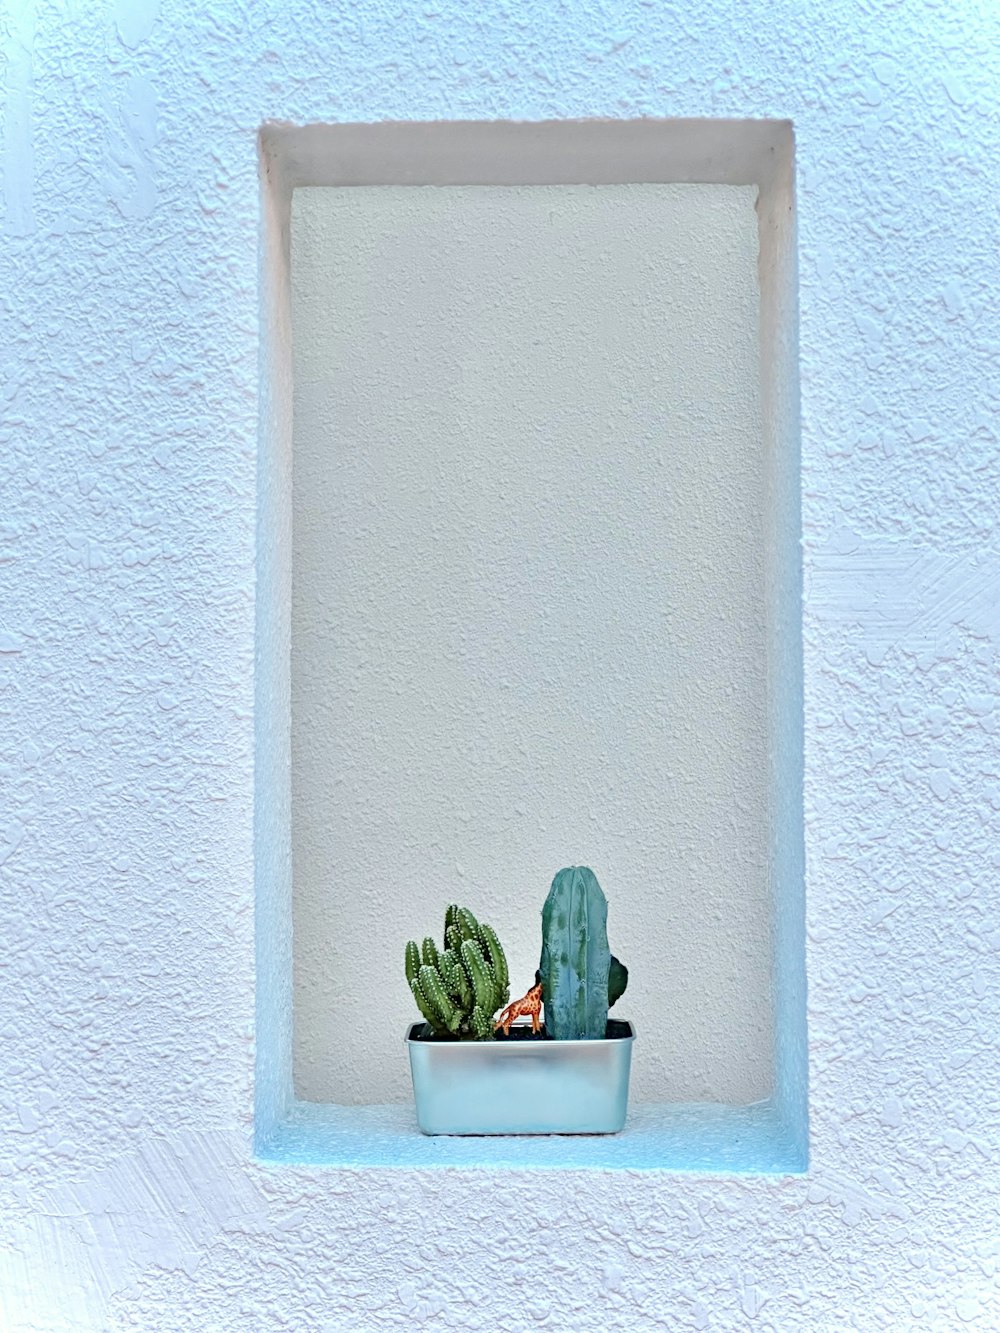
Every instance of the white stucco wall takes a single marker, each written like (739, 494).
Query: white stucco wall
(130, 389)
(528, 618)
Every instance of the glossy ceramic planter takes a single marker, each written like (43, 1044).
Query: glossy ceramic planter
(521, 1087)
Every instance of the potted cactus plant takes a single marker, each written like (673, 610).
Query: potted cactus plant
(476, 1069)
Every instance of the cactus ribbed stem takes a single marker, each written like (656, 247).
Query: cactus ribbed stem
(426, 1008)
(480, 974)
(456, 981)
(575, 956)
(467, 924)
(434, 991)
(495, 954)
(412, 961)
(482, 1024)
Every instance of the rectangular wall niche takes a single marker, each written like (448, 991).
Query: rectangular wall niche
(529, 596)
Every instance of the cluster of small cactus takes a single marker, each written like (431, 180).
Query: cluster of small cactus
(459, 988)
(580, 977)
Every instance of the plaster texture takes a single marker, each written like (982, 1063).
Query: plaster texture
(528, 621)
(130, 386)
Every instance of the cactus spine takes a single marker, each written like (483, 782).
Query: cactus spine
(459, 988)
(576, 960)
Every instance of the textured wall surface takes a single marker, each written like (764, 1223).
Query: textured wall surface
(129, 382)
(528, 624)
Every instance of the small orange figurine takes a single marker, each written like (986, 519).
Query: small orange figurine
(528, 1006)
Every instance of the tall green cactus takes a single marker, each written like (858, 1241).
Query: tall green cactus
(459, 988)
(578, 980)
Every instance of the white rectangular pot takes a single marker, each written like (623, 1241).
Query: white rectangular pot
(521, 1087)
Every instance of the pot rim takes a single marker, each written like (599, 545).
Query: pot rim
(409, 1039)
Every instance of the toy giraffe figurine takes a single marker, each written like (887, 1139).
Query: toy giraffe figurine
(528, 1006)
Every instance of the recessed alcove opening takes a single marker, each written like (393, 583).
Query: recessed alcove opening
(528, 595)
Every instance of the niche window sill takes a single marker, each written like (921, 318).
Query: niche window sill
(704, 1138)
